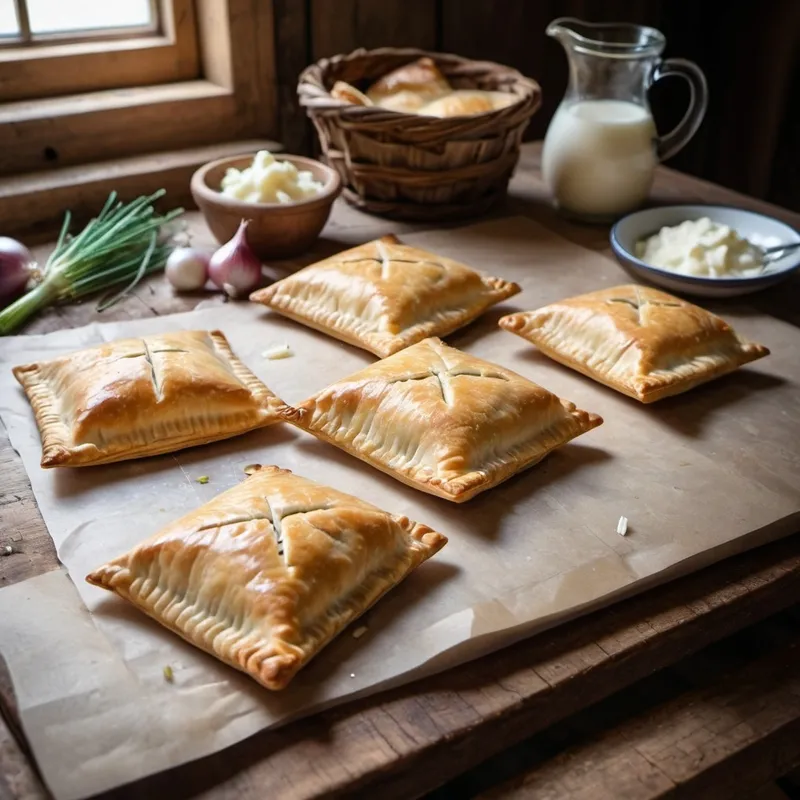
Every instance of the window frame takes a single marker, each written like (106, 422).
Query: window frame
(28, 38)
(231, 95)
(110, 59)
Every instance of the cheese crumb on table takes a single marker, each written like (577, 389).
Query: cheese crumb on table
(276, 352)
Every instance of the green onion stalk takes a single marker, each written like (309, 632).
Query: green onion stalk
(120, 245)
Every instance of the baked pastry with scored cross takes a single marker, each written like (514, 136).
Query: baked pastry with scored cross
(267, 573)
(640, 341)
(140, 397)
(441, 420)
(383, 296)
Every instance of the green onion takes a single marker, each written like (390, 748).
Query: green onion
(120, 245)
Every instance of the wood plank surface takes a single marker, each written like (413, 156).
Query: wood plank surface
(341, 26)
(726, 741)
(292, 47)
(406, 742)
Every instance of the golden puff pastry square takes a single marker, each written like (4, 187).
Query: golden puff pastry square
(383, 296)
(267, 573)
(141, 397)
(441, 420)
(640, 341)
(465, 102)
(408, 88)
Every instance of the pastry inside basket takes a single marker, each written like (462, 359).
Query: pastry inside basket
(141, 397)
(267, 573)
(465, 102)
(420, 88)
(349, 94)
(409, 87)
(441, 420)
(384, 295)
(637, 340)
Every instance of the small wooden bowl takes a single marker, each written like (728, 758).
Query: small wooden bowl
(276, 230)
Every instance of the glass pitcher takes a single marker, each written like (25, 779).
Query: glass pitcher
(601, 148)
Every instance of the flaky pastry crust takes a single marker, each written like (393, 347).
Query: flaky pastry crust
(640, 341)
(268, 572)
(464, 102)
(141, 397)
(441, 420)
(383, 295)
(408, 88)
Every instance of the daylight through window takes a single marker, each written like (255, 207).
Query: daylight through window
(41, 21)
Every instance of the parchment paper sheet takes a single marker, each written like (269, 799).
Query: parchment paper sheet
(699, 476)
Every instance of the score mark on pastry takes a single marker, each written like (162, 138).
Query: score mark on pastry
(219, 578)
(640, 341)
(140, 397)
(383, 295)
(441, 420)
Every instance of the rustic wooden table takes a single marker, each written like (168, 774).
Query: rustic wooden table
(692, 688)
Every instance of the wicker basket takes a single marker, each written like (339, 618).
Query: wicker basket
(406, 166)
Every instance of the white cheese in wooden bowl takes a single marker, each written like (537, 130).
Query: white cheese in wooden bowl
(268, 180)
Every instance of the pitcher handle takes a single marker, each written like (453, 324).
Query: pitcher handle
(672, 142)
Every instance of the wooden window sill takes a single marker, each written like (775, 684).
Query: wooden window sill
(32, 205)
(116, 123)
(23, 112)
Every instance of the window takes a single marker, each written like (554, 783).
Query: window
(51, 48)
(37, 21)
(88, 81)
(149, 75)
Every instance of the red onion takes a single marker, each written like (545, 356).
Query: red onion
(187, 269)
(16, 265)
(234, 267)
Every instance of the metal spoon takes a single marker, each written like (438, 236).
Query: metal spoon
(771, 254)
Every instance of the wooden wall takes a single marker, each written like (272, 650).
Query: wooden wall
(750, 52)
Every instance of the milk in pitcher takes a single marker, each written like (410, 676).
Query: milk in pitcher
(602, 147)
(599, 157)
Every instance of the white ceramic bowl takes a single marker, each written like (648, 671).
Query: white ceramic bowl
(759, 228)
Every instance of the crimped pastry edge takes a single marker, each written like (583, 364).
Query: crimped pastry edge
(341, 327)
(648, 388)
(275, 669)
(467, 486)
(58, 450)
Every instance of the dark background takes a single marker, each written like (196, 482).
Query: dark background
(749, 50)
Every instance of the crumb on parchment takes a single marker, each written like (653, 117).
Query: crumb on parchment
(277, 352)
